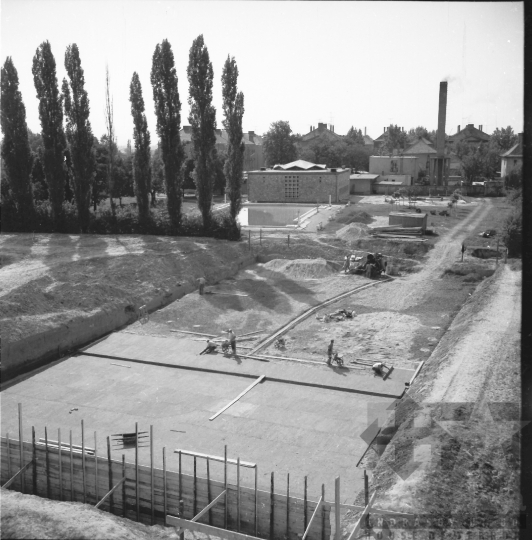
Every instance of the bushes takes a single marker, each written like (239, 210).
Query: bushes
(126, 222)
(512, 232)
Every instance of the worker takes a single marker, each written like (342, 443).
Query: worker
(378, 368)
(210, 348)
(463, 250)
(201, 282)
(346, 264)
(232, 340)
(330, 352)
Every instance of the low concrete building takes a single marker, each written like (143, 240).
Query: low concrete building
(513, 158)
(423, 151)
(389, 186)
(299, 182)
(390, 166)
(362, 183)
(408, 220)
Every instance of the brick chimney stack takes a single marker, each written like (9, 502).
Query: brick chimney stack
(251, 135)
(442, 112)
(458, 130)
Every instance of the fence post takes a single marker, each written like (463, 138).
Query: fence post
(305, 510)
(152, 476)
(164, 483)
(506, 256)
(60, 465)
(181, 505)
(47, 461)
(260, 236)
(124, 501)
(497, 256)
(9, 474)
(34, 456)
(225, 487)
(195, 510)
(20, 437)
(288, 503)
(96, 467)
(249, 240)
(71, 469)
(83, 462)
(323, 512)
(288, 239)
(110, 468)
(337, 531)
(271, 510)
(238, 494)
(209, 490)
(366, 496)
(256, 502)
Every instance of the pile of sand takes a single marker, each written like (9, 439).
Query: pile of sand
(355, 217)
(353, 231)
(302, 268)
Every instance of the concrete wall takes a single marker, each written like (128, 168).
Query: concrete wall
(314, 186)
(361, 186)
(508, 164)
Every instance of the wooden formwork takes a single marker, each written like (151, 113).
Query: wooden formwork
(88, 478)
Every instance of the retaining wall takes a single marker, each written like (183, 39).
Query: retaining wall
(42, 479)
(39, 349)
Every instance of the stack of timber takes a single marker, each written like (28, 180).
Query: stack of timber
(397, 231)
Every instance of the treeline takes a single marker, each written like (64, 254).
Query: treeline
(55, 180)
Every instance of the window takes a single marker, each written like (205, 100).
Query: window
(291, 187)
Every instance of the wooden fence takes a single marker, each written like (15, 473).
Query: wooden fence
(70, 474)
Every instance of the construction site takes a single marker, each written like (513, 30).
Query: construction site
(107, 382)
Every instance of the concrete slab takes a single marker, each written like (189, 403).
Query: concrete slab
(283, 428)
(184, 352)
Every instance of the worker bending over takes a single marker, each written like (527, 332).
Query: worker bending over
(379, 367)
(210, 348)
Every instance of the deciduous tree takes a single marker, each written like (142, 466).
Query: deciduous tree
(233, 107)
(79, 134)
(355, 135)
(168, 113)
(504, 138)
(202, 120)
(279, 144)
(16, 151)
(141, 160)
(111, 141)
(38, 178)
(53, 135)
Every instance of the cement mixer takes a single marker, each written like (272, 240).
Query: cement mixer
(372, 267)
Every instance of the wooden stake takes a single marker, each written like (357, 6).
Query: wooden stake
(152, 477)
(34, 457)
(60, 465)
(83, 462)
(9, 473)
(288, 505)
(271, 510)
(71, 469)
(288, 239)
(110, 472)
(366, 495)
(164, 484)
(137, 494)
(225, 486)
(47, 462)
(249, 240)
(96, 467)
(238, 494)
(256, 503)
(194, 505)
(305, 506)
(124, 500)
(181, 505)
(209, 491)
(20, 437)
(337, 532)
(260, 237)
(497, 256)
(323, 512)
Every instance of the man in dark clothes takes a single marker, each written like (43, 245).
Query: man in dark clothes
(232, 340)
(330, 352)
(211, 347)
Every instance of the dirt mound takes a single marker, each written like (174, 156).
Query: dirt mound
(356, 217)
(353, 231)
(302, 268)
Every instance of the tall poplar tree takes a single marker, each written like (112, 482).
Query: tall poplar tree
(51, 116)
(16, 151)
(233, 107)
(141, 160)
(79, 134)
(202, 119)
(168, 112)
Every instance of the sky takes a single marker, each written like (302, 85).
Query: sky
(361, 64)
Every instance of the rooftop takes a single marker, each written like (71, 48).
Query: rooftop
(420, 147)
(300, 165)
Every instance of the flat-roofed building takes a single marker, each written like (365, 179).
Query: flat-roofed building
(299, 182)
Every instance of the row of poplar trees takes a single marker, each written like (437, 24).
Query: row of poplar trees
(76, 136)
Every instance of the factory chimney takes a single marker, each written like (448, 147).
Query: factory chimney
(440, 141)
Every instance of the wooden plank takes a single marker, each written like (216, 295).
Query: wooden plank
(209, 506)
(83, 462)
(152, 475)
(207, 529)
(59, 461)
(354, 532)
(256, 502)
(109, 493)
(209, 489)
(20, 438)
(337, 532)
(95, 465)
(318, 506)
(137, 469)
(385, 376)
(272, 508)
(164, 485)
(34, 459)
(71, 469)
(19, 473)
(259, 380)
(238, 494)
(195, 333)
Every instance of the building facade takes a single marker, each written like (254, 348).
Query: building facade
(513, 158)
(321, 132)
(299, 182)
(470, 134)
(391, 166)
(362, 183)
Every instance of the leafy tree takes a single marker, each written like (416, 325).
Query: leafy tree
(220, 181)
(512, 229)
(279, 144)
(514, 180)
(188, 178)
(79, 134)
(202, 120)
(53, 136)
(355, 135)
(157, 175)
(233, 107)
(111, 141)
(504, 138)
(40, 186)
(35, 140)
(123, 183)
(100, 181)
(418, 132)
(167, 111)
(141, 161)
(395, 138)
(16, 153)
(69, 174)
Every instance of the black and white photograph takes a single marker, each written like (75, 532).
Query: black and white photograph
(261, 270)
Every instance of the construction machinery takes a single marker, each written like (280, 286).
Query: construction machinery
(372, 267)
